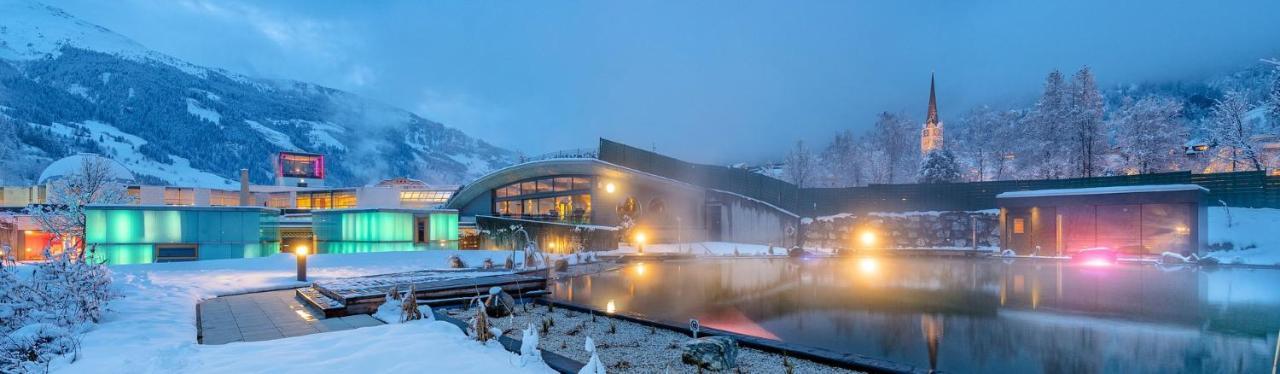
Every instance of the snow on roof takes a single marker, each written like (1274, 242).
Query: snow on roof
(1103, 190)
(70, 165)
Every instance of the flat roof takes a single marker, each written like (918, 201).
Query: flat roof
(176, 207)
(1103, 190)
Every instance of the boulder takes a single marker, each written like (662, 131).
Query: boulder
(712, 353)
(499, 305)
(561, 265)
(796, 252)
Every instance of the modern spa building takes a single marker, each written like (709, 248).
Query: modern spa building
(1145, 220)
(591, 200)
(179, 223)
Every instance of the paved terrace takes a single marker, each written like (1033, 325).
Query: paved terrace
(266, 316)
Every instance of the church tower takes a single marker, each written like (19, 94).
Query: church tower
(931, 135)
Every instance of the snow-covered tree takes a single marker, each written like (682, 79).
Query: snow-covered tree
(1233, 133)
(1085, 123)
(1045, 142)
(799, 164)
(63, 212)
(939, 166)
(1149, 134)
(893, 140)
(1273, 100)
(982, 141)
(841, 164)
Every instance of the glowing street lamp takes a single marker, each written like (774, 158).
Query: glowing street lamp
(610, 188)
(639, 239)
(301, 253)
(868, 238)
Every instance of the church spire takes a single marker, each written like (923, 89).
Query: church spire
(931, 134)
(932, 118)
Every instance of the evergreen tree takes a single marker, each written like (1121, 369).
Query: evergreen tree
(1045, 141)
(939, 167)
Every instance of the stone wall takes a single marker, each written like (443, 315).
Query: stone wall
(906, 230)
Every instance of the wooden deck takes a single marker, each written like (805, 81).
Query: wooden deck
(362, 295)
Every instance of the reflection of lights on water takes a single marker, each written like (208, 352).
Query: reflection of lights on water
(639, 268)
(1097, 262)
(1182, 230)
(610, 308)
(868, 265)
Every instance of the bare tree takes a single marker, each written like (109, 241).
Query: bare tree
(894, 139)
(841, 165)
(1233, 133)
(799, 165)
(1085, 120)
(62, 214)
(1149, 133)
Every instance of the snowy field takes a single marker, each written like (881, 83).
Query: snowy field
(152, 328)
(1249, 230)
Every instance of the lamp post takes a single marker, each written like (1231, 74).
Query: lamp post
(301, 254)
(640, 243)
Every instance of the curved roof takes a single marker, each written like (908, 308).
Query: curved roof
(562, 166)
(69, 165)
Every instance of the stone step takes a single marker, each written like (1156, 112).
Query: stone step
(327, 306)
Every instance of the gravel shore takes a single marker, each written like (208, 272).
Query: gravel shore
(626, 347)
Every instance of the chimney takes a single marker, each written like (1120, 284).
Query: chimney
(244, 187)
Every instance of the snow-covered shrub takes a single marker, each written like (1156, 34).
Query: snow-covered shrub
(43, 313)
(529, 346)
(593, 366)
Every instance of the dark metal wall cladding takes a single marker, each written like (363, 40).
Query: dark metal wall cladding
(1252, 189)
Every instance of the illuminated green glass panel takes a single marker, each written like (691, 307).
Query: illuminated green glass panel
(444, 226)
(123, 226)
(124, 254)
(95, 227)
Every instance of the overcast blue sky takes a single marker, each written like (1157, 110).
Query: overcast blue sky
(708, 81)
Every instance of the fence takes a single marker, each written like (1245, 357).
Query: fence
(1252, 189)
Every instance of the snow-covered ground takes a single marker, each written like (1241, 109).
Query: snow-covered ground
(151, 329)
(1249, 232)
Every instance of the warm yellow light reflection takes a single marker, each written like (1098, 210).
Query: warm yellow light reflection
(302, 250)
(867, 238)
(639, 268)
(868, 265)
(609, 308)
(609, 187)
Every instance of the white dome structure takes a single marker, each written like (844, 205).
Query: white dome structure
(69, 165)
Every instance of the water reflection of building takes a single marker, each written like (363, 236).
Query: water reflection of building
(975, 315)
(1137, 220)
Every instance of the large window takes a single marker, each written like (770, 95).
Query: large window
(423, 198)
(179, 196)
(341, 199)
(561, 198)
(224, 198)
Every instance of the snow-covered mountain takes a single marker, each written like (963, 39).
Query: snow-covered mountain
(68, 86)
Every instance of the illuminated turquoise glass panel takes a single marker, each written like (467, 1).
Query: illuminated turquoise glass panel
(128, 236)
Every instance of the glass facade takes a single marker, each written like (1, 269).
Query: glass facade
(377, 230)
(1147, 229)
(340, 199)
(423, 198)
(559, 199)
(133, 235)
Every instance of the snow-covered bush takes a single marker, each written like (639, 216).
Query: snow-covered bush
(44, 310)
(43, 313)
